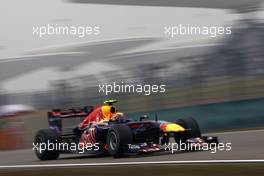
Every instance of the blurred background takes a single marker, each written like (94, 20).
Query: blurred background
(219, 81)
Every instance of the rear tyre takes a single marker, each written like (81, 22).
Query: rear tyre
(192, 125)
(44, 138)
(117, 139)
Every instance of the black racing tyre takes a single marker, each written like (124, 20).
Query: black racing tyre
(45, 137)
(117, 138)
(190, 123)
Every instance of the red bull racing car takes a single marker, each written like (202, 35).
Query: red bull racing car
(116, 138)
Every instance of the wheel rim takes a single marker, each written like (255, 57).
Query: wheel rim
(113, 140)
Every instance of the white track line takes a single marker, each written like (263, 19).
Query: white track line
(235, 132)
(133, 163)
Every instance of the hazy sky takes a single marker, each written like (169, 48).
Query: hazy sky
(116, 22)
(18, 18)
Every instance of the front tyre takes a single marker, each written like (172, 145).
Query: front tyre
(46, 141)
(117, 139)
(190, 124)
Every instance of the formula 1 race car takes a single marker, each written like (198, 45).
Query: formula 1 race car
(117, 138)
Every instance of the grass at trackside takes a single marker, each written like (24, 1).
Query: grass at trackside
(147, 170)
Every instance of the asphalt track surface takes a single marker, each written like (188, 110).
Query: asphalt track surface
(246, 145)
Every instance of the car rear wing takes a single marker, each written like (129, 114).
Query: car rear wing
(57, 117)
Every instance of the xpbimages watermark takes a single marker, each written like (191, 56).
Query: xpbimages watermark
(145, 89)
(212, 147)
(60, 146)
(187, 29)
(55, 29)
